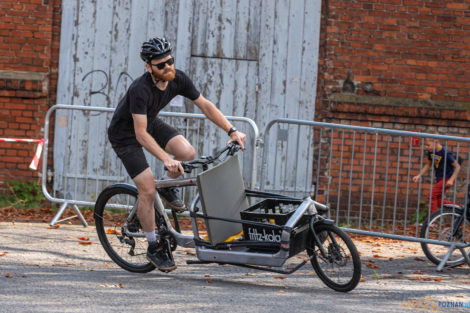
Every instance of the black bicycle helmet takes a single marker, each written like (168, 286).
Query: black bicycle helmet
(155, 48)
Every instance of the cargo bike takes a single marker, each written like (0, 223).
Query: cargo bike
(274, 229)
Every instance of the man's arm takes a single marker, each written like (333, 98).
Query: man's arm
(147, 141)
(216, 117)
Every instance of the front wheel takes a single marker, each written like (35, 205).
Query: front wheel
(439, 227)
(338, 265)
(121, 235)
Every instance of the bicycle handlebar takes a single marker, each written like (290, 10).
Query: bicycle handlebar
(188, 166)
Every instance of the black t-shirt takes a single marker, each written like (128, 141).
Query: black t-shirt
(143, 97)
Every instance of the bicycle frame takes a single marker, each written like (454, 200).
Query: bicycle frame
(186, 241)
(277, 259)
(232, 256)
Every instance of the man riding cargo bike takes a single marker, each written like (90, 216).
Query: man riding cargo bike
(135, 125)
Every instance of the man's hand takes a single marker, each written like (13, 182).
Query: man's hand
(416, 178)
(238, 137)
(173, 166)
(450, 182)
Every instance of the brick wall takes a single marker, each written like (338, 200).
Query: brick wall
(408, 63)
(29, 49)
(406, 58)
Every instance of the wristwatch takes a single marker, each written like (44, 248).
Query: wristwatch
(231, 130)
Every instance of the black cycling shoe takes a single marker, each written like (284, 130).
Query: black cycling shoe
(170, 195)
(159, 257)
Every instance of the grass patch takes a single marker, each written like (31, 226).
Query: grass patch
(23, 195)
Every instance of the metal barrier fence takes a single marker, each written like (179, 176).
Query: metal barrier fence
(84, 162)
(365, 175)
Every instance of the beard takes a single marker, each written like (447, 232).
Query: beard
(168, 75)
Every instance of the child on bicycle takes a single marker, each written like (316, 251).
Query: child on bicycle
(444, 164)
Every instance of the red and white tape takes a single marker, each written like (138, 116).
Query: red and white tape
(35, 162)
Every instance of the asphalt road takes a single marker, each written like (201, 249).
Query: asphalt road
(46, 270)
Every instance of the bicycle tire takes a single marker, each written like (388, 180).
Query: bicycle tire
(127, 252)
(336, 243)
(437, 227)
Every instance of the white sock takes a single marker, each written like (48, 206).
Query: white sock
(151, 237)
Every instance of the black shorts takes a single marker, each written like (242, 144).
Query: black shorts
(133, 157)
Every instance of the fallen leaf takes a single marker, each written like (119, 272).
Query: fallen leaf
(279, 277)
(112, 286)
(4, 253)
(111, 231)
(419, 259)
(362, 280)
(390, 259)
(281, 291)
(417, 272)
(84, 238)
(54, 226)
(9, 275)
(207, 275)
(370, 265)
(208, 281)
(459, 296)
(414, 278)
(427, 279)
(248, 274)
(438, 280)
(84, 243)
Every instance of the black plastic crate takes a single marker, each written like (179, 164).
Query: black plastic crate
(278, 212)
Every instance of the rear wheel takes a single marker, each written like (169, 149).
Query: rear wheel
(340, 266)
(439, 227)
(120, 235)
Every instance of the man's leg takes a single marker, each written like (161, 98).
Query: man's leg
(146, 188)
(181, 149)
(175, 144)
(156, 253)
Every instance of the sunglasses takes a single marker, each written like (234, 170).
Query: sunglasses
(161, 65)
